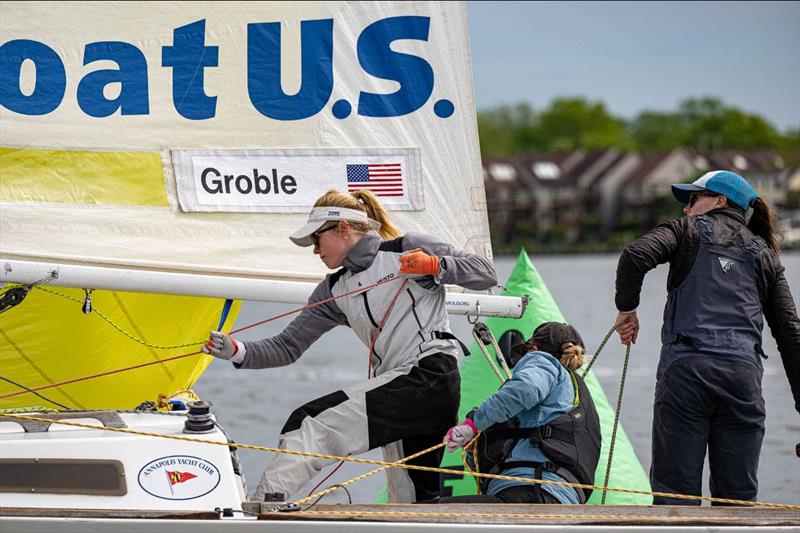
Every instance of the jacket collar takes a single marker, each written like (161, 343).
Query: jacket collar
(363, 253)
(731, 212)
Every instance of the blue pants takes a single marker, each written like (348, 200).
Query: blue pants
(713, 402)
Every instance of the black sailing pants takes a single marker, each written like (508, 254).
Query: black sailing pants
(707, 402)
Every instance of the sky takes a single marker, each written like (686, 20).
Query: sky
(636, 56)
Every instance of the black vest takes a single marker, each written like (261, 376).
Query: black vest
(717, 309)
(571, 441)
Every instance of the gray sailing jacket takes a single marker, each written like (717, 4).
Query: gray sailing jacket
(410, 330)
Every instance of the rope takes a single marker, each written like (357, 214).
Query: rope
(525, 516)
(101, 374)
(379, 329)
(174, 358)
(116, 327)
(600, 349)
(45, 398)
(368, 474)
(488, 357)
(406, 466)
(315, 304)
(616, 422)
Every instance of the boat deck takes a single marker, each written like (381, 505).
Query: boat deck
(463, 514)
(521, 514)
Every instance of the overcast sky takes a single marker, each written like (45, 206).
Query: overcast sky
(639, 55)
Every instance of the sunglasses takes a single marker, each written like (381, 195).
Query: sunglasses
(694, 196)
(315, 236)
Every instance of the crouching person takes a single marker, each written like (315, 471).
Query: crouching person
(540, 424)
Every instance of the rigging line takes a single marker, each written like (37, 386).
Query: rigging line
(379, 329)
(118, 328)
(368, 474)
(403, 466)
(101, 374)
(324, 480)
(616, 422)
(167, 359)
(600, 348)
(36, 393)
(720, 520)
(315, 304)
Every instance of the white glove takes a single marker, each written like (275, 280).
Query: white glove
(460, 435)
(220, 345)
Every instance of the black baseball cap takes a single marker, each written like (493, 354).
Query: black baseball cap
(549, 337)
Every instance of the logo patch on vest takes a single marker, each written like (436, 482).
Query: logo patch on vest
(726, 264)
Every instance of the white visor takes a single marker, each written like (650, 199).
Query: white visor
(320, 215)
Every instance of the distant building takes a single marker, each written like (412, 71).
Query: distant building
(587, 193)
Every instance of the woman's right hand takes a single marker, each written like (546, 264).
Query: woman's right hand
(628, 327)
(460, 435)
(220, 345)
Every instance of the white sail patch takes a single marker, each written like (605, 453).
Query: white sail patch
(726, 264)
(290, 180)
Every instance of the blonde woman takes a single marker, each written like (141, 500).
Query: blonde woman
(413, 392)
(541, 424)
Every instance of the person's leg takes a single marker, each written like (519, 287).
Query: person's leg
(737, 431)
(335, 424)
(395, 405)
(680, 432)
(410, 414)
(426, 484)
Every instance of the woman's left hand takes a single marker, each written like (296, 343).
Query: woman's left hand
(418, 263)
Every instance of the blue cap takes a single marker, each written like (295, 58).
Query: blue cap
(724, 182)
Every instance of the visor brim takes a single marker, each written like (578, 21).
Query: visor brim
(683, 191)
(302, 237)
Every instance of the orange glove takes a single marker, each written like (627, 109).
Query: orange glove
(418, 263)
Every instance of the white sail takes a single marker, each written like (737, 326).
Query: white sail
(110, 124)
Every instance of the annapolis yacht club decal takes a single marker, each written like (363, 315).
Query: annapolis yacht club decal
(179, 477)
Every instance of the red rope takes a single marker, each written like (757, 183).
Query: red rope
(380, 328)
(281, 315)
(326, 478)
(369, 367)
(97, 375)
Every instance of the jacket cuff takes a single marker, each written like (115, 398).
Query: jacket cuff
(238, 357)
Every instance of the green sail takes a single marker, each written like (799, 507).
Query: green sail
(478, 382)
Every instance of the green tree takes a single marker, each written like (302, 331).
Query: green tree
(652, 131)
(576, 123)
(503, 129)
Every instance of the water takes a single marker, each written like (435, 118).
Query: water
(254, 404)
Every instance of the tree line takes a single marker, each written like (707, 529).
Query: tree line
(705, 123)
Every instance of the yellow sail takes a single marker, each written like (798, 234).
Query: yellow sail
(47, 339)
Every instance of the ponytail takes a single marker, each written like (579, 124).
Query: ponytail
(571, 356)
(764, 224)
(362, 201)
(376, 211)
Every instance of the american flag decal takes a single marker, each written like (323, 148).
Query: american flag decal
(385, 179)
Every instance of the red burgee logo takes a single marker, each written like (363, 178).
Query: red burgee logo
(179, 477)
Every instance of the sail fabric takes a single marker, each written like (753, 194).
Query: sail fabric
(478, 382)
(109, 96)
(47, 339)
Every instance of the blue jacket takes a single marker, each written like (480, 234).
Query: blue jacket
(540, 389)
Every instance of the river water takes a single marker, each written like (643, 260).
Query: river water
(254, 404)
